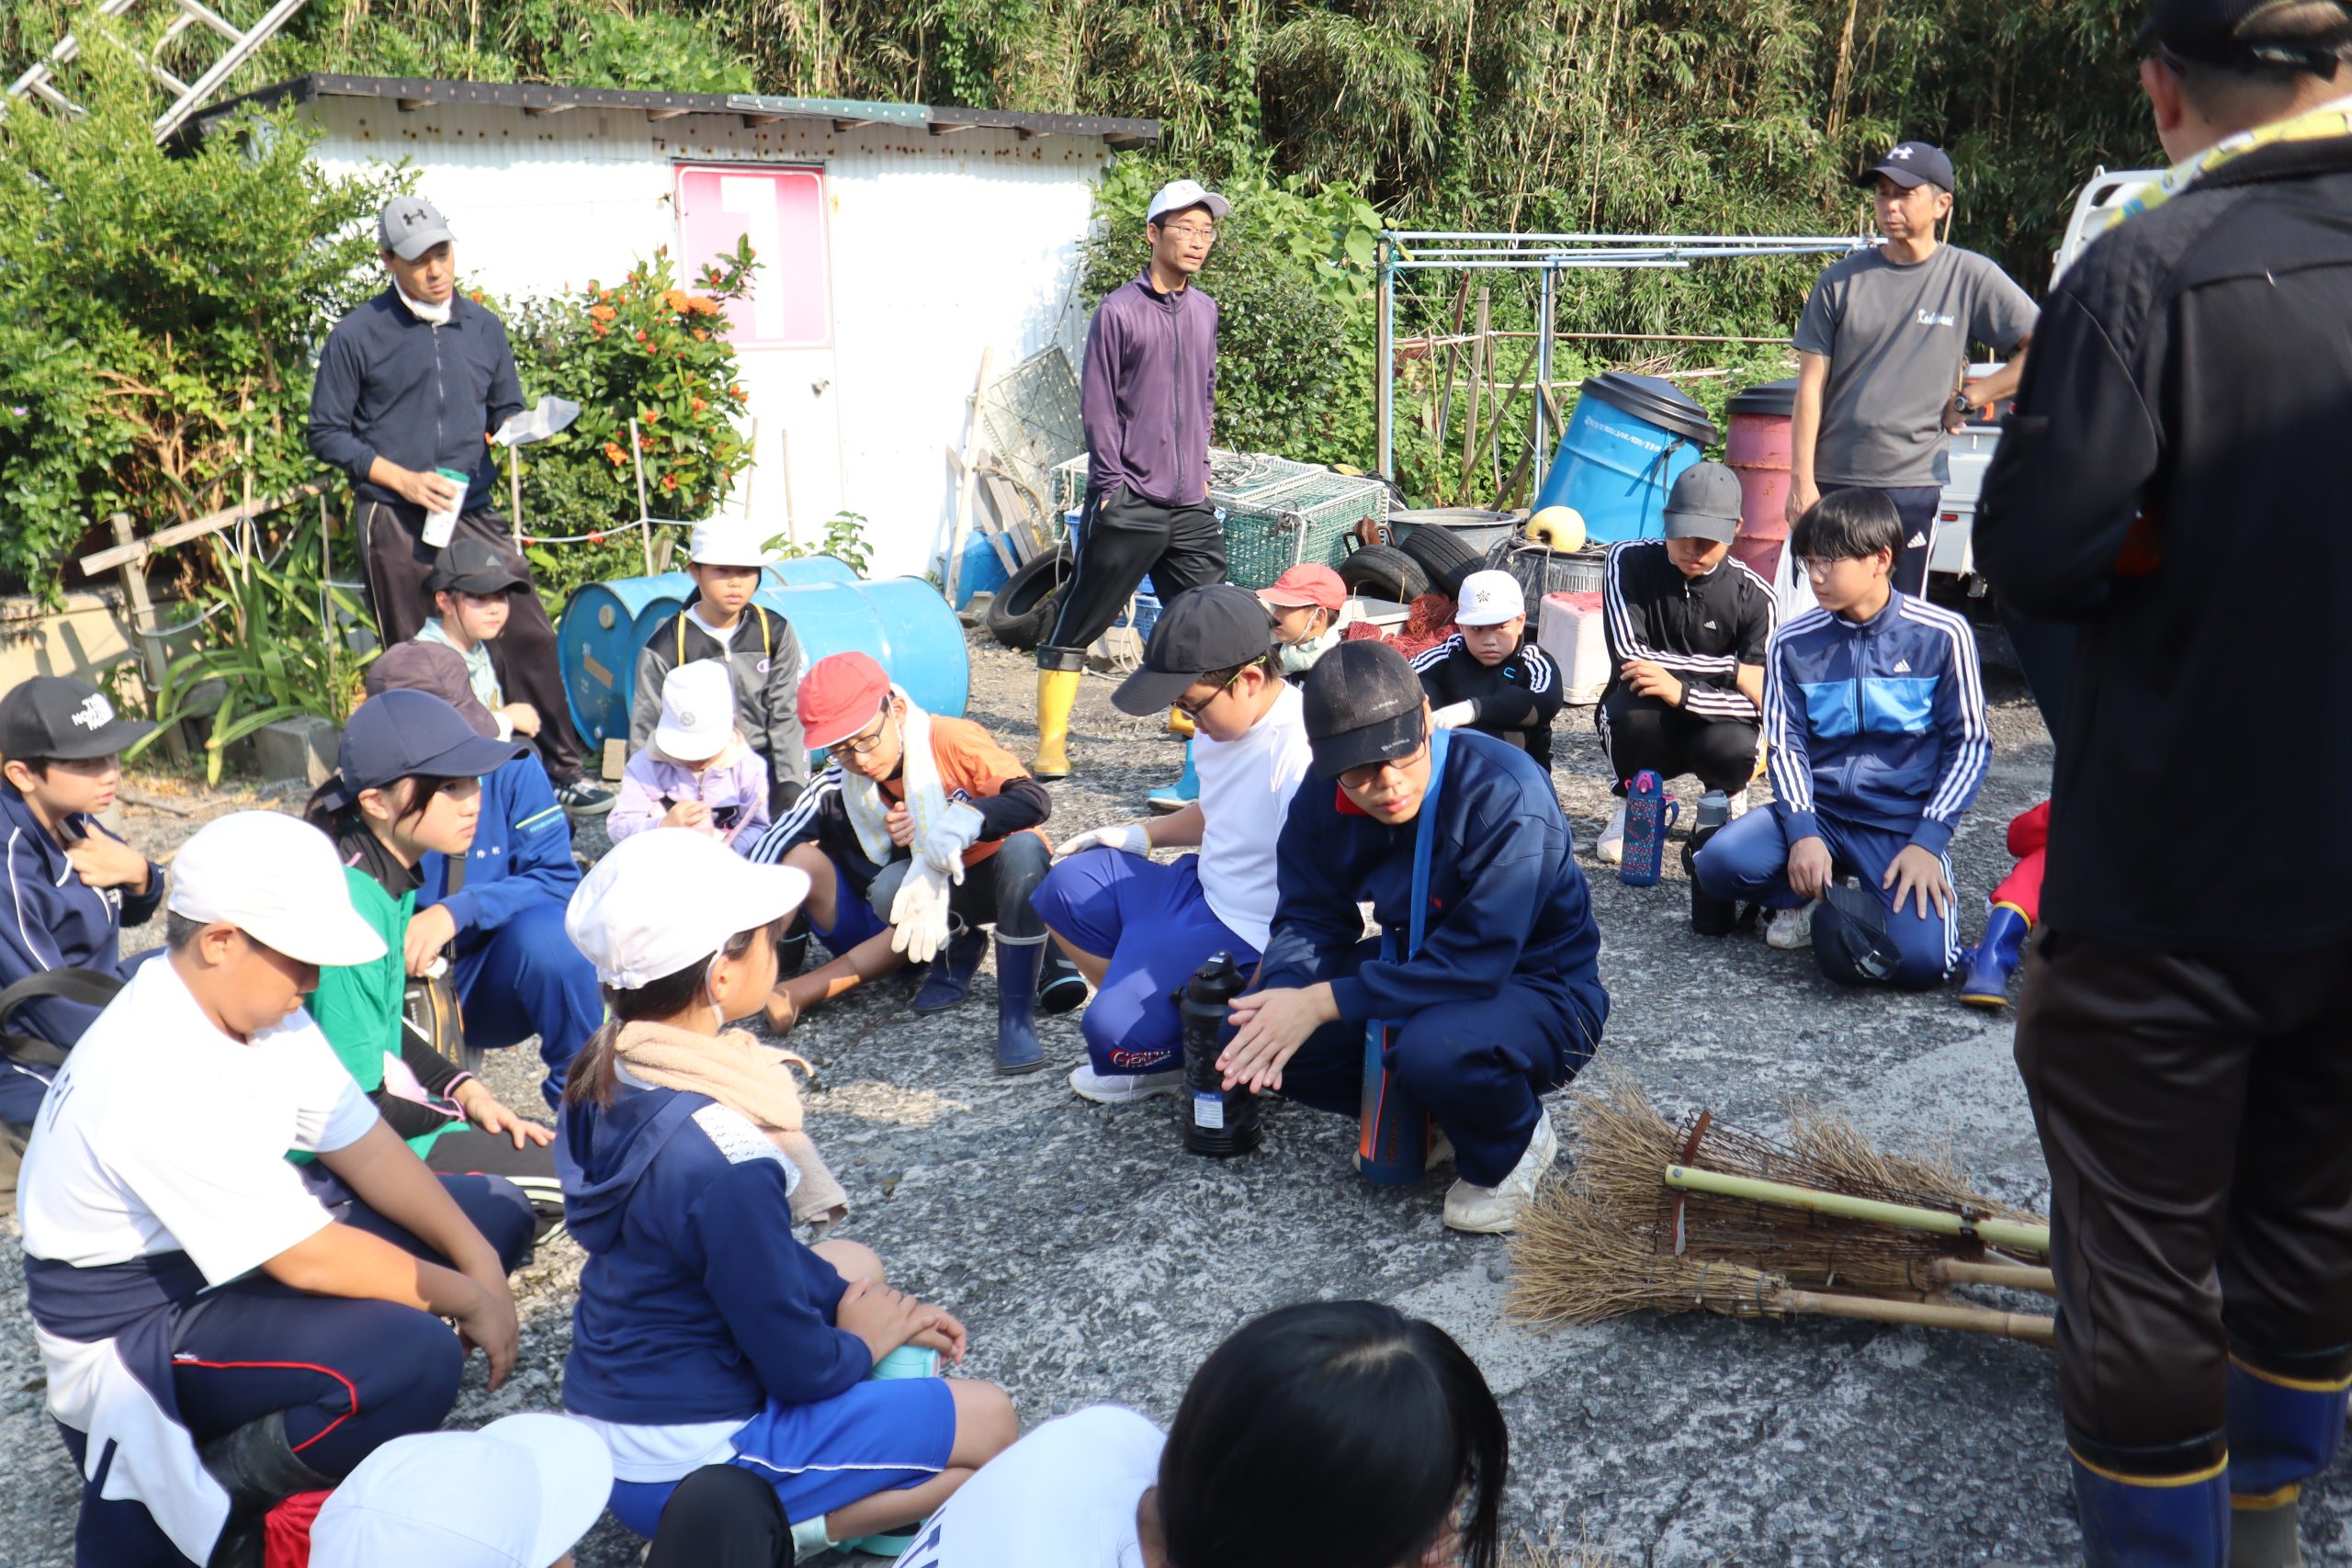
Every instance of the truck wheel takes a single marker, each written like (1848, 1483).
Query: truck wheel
(1444, 559)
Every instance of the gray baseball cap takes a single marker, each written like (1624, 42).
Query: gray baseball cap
(1703, 504)
(408, 226)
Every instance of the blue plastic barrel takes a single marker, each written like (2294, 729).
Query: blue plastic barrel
(901, 621)
(1629, 438)
(982, 571)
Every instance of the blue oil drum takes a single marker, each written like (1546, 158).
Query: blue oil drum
(981, 572)
(1628, 440)
(901, 621)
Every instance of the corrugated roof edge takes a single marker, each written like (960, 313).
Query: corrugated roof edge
(542, 98)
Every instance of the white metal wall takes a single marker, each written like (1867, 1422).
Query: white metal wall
(942, 246)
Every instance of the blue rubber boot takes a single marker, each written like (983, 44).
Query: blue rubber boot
(1992, 960)
(1018, 1049)
(2159, 1521)
(2283, 1431)
(1179, 794)
(906, 1361)
(949, 980)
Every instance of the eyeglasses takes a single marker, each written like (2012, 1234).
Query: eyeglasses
(861, 743)
(1819, 566)
(1190, 231)
(1369, 774)
(1194, 710)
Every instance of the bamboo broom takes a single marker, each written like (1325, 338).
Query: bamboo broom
(1574, 1262)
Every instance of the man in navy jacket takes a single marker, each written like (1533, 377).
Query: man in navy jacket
(1485, 974)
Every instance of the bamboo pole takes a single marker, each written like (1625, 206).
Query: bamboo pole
(2008, 1276)
(2006, 1234)
(2029, 1326)
(1481, 367)
(644, 511)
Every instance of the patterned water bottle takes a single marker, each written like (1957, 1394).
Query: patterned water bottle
(1649, 812)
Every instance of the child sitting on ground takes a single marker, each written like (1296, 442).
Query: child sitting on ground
(408, 783)
(1390, 1444)
(472, 593)
(1876, 743)
(697, 770)
(921, 833)
(726, 558)
(1490, 675)
(705, 1332)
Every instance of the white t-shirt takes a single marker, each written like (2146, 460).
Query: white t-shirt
(1064, 1496)
(1246, 786)
(724, 636)
(162, 1134)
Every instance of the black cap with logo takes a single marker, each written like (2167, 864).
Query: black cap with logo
(2239, 32)
(1364, 705)
(1910, 164)
(64, 718)
(1201, 630)
(472, 566)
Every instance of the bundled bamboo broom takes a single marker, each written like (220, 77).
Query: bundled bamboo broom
(1705, 1217)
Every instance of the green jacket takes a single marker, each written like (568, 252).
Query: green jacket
(361, 1006)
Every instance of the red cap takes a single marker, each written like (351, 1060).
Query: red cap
(1309, 584)
(840, 696)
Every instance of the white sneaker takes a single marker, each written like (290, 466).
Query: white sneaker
(1791, 930)
(1488, 1211)
(1609, 848)
(1123, 1088)
(1738, 803)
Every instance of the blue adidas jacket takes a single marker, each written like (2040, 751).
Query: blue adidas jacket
(521, 853)
(1507, 900)
(1879, 724)
(55, 920)
(696, 1303)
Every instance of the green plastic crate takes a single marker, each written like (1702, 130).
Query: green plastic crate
(1277, 513)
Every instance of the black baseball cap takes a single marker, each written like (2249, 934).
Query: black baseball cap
(407, 734)
(61, 717)
(1910, 164)
(1202, 629)
(1364, 704)
(2231, 32)
(472, 566)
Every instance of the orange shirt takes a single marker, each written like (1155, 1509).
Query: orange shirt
(972, 766)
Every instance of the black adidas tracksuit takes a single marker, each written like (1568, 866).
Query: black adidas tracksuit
(1517, 699)
(1701, 629)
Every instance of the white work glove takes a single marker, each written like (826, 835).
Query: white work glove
(957, 829)
(919, 913)
(1453, 716)
(1129, 836)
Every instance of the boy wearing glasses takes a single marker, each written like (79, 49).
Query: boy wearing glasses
(1876, 743)
(1483, 979)
(919, 832)
(1147, 391)
(1137, 928)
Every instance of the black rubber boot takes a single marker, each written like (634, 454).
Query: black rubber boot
(1017, 1046)
(950, 978)
(259, 1470)
(1060, 987)
(792, 949)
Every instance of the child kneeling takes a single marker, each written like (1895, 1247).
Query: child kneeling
(705, 1333)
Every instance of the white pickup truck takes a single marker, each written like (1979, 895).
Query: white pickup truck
(2097, 208)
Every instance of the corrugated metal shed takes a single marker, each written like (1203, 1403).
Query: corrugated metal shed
(948, 231)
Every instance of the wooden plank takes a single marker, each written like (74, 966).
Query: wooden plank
(992, 517)
(1013, 513)
(153, 660)
(129, 550)
(964, 475)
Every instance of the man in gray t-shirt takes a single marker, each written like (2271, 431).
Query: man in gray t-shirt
(1883, 346)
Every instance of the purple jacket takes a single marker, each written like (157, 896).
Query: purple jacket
(1147, 391)
(735, 787)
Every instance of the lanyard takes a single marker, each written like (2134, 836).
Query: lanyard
(1424, 841)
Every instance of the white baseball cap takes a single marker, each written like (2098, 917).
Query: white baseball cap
(669, 897)
(279, 880)
(1178, 194)
(1489, 598)
(731, 541)
(697, 711)
(518, 1494)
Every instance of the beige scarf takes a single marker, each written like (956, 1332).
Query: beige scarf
(754, 1081)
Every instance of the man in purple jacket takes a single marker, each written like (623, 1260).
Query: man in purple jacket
(1145, 397)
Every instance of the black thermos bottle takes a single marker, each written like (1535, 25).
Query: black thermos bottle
(1218, 1122)
(1709, 916)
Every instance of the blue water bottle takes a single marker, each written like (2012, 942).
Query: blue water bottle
(1649, 812)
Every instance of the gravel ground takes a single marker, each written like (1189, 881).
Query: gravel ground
(1094, 1260)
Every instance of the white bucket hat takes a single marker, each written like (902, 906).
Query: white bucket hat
(671, 896)
(697, 711)
(279, 880)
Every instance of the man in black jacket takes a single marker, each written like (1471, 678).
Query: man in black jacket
(410, 385)
(1686, 626)
(2173, 483)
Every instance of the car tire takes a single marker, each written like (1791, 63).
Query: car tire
(1383, 571)
(1022, 611)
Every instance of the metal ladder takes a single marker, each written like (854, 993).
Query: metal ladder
(186, 96)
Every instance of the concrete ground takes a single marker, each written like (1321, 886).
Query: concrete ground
(1094, 1260)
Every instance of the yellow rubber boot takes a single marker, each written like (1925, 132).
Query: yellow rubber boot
(1179, 723)
(1057, 694)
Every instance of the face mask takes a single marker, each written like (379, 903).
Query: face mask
(436, 315)
(1297, 657)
